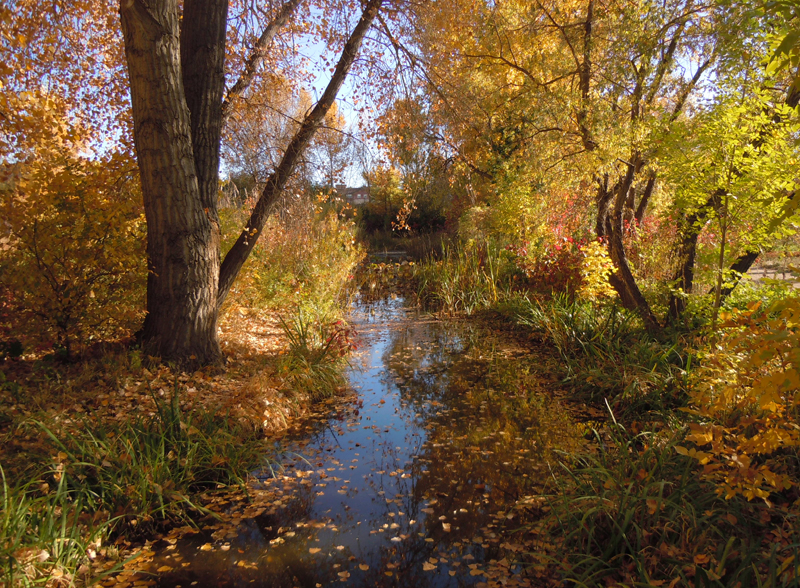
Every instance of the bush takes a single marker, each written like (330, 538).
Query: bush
(746, 397)
(305, 258)
(72, 251)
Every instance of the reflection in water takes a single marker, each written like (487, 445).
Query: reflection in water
(413, 485)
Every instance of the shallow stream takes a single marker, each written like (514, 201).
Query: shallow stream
(418, 482)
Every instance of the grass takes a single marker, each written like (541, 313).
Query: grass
(634, 511)
(606, 353)
(45, 536)
(637, 514)
(146, 472)
(468, 278)
(317, 353)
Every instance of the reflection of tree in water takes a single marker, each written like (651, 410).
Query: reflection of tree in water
(491, 430)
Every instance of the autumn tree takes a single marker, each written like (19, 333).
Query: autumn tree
(261, 126)
(331, 148)
(541, 96)
(176, 64)
(413, 146)
(72, 229)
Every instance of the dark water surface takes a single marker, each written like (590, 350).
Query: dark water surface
(415, 484)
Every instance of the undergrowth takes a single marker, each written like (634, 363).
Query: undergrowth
(145, 472)
(468, 278)
(46, 537)
(606, 353)
(635, 513)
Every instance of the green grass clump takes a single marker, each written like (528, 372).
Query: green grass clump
(468, 278)
(146, 472)
(45, 537)
(606, 353)
(317, 353)
(637, 513)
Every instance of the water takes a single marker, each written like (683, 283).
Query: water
(418, 482)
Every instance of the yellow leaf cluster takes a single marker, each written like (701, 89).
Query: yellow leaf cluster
(747, 399)
(72, 258)
(596, 268)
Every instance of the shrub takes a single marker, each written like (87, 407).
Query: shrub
(746, 397)
(72, 250)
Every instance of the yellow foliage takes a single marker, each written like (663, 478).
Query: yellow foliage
(72, 239)
(595, 271)
(747, 395)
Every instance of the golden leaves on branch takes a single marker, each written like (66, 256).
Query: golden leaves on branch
(747, 396)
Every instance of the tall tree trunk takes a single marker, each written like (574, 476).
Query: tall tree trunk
(182, 252)
(623, 280)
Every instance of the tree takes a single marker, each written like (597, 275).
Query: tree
(176, 67)
(536, 96)
(331, 148)
(257, 132)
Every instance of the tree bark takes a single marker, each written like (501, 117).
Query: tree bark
(623, 280)
(646, 195)
(181, 322)
(692, 226)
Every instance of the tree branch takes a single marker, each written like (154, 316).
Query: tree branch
(257, 56)
(277, 181)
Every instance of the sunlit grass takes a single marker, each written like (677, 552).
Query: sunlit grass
(147, 471)
(45, 536)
